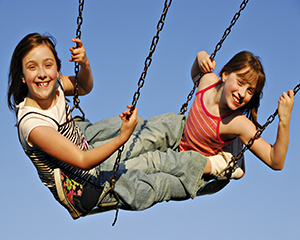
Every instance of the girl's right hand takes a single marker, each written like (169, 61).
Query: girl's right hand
(130, 120)
(205, 63)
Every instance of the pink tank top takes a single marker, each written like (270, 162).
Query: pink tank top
(201, 131)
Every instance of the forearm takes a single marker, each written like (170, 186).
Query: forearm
(85, 78)
(280, 147)
(279, 150)
(95, 156)
(195, 70)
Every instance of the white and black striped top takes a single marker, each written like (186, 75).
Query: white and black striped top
(44, 163)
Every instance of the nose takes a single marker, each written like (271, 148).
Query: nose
(242, 92)
(42, 74)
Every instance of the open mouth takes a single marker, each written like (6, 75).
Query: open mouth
(236, 100)
(42, 84)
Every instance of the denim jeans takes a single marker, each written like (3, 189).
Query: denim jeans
(151, 168)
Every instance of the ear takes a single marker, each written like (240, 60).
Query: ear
(224, 76)
(23, 79)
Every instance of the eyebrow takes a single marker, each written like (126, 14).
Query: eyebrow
(44, 60)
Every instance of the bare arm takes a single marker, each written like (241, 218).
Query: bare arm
(85, 73)
(280, 147)
(56, 145)
(272, 155)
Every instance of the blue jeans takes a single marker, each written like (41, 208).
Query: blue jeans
(151, 168)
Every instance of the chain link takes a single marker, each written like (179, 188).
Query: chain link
(141, 82)
(136, 97)
(212, 56)
(76, 100)
(296, 89)
(148, 60)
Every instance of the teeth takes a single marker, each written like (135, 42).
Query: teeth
(235, 99)
(42, 84)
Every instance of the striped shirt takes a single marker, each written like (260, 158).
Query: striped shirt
(201, 131)
(61, 119)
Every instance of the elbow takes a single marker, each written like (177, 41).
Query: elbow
(277, 160)
(83, 164)
(277, 168)
(85, 167)
(86, 89)
(90, 88)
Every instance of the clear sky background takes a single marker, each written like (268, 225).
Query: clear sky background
(117, 35)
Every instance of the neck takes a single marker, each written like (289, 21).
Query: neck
(213, 99)
(41, 103)
(219, 100)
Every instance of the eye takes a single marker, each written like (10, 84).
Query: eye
(240, 82)
(49, 64)
(251, 91)
(31, 67)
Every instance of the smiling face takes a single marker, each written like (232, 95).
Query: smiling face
(238, 90)
(249, 69)
(40, 74)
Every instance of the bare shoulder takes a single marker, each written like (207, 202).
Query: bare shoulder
(207, 80)
(238, 125)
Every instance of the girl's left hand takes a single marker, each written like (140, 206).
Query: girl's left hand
(78, 53)
(205, 63)
(127, 114)
(130, 120)
(285, 105)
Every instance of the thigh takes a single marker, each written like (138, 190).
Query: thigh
(158, 133)
(186, 166)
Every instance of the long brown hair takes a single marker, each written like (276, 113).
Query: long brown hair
(17, 90)
(255, 72)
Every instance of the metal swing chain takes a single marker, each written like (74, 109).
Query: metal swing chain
(76, 100)
(212, 56)
(233, 162)
(137, 94)
(142, 81)
(148, 60)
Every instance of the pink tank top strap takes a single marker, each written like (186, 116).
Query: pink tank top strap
(227, 114)
(209, 87)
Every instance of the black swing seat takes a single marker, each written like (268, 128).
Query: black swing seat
(212, 186)
(61, 178)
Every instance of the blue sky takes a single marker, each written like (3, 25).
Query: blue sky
(117, 35)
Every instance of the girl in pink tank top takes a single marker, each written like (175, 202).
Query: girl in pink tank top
(227, 109)
(201, 131)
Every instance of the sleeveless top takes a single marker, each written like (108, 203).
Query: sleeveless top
(43, 162)
(201, 131)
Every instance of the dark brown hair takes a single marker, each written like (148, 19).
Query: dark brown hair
(17, 90)
(254, 72)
